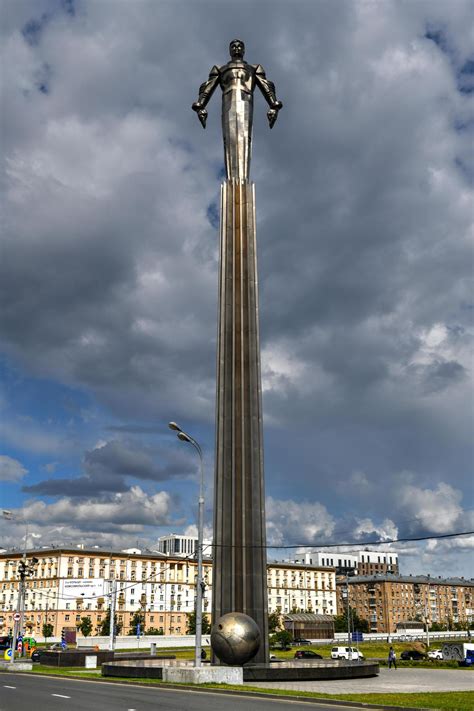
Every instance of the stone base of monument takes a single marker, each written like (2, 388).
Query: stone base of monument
(17, 666)
(309, 670)
(203, 675)
(292, 670)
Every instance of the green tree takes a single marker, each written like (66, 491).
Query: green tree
(274, 623)
(154, 630)
(137, 619)
(85, 626)
(47, 630)
(104, 626)
(437, 627)
(191, 624)
(281, 639)
(357, 623)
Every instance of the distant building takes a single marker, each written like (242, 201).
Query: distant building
(387, 601)
(363, 562)
(175, 544)
(306, 625)
(374, 562)
(293, 587)
(74, 582)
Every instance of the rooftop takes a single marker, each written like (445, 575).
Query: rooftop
(391, 578)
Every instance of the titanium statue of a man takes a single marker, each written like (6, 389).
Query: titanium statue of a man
(237, 80)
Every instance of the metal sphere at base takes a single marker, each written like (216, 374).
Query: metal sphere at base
(235, 638)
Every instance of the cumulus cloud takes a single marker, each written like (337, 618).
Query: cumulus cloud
(364, 208)
(11, 469)
(366, 529)
(437, 510)
(289, 521)
(132, 508)
(110, 520)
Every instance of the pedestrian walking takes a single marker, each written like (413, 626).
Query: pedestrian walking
(392, 658)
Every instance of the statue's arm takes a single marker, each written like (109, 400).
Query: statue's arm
(206, 90)
(267, 88)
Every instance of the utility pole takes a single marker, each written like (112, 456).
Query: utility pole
(349, 641)
(348, 618)
(25, 569)
(113, 594)
(427, 628)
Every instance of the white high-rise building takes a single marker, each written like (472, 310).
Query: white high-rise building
(360, 562)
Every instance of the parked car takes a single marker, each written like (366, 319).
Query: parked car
(346, 653)
(306, 654)
(412, 654)
(435, 654)
(300, 642)
(35, 655)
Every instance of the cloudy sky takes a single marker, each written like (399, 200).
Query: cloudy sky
(109, 268)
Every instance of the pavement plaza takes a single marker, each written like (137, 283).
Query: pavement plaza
(389, 681)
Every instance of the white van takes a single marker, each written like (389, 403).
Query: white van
(346, 653)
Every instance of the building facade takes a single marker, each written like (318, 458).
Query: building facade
(178, 545)
(293, 587)
(386, 601)
(71, 583)
(362, 562)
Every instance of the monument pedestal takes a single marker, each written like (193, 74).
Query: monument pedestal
(206, 674)
(239, 567)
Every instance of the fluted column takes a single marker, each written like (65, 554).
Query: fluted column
(239, 576)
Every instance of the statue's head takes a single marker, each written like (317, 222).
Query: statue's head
(237, 49)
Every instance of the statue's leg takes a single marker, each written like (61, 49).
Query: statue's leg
(237, 129)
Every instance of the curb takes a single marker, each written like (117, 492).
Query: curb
(234, 692)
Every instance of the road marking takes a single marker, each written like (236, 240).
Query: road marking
(61, 696)
(9, 687)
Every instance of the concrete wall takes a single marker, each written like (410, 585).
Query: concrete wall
(144, 642)
(177, 641)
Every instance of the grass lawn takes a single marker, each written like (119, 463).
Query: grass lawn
(445, 701)
(379, 650)
(448, 700)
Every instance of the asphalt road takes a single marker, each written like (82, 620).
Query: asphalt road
(20, 692)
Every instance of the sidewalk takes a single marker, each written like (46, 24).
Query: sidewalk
(399, 681)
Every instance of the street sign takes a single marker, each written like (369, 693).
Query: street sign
(357, 637)
(8, 654)
(17, 616)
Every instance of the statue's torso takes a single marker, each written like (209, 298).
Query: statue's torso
(237, 76)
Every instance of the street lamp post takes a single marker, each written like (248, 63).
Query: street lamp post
(348, 618)
(349, 573)
(200, 582)
(25, 569)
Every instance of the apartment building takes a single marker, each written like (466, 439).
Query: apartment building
(363, 562)
(293, 587)
(71, 583)
(387, 600)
